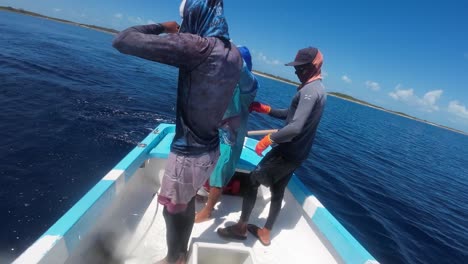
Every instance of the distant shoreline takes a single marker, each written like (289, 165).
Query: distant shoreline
(266, 75)
(276, 78)
(357, 101)
(29, 13)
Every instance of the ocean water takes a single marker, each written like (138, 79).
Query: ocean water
(71, 107)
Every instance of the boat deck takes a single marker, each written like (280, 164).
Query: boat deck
(120, 221)
(293, 238)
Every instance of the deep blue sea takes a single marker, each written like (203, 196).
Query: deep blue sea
(71, 107)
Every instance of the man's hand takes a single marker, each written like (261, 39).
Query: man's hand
(170, 27)
(259, 107)
(263, 144)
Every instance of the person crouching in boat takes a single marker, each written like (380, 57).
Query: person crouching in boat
(293, 143)
(209, 70)
(232, 134)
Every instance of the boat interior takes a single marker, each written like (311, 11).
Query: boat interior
(132, 230)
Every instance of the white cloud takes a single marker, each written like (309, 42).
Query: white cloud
(135, 20)
(426, 103)
(149, 22)
(118, 15)
(401, 95)
(346, 79)
(57, 9)
(430, 99)
(458, 109)
(373, 85)
(265, 59)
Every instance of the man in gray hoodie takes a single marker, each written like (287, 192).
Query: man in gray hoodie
(293, 143)
(209, 69)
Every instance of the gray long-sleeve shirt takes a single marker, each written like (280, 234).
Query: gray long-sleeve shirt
(209, 69)
(302, 119)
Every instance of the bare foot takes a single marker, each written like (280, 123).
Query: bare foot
(237, 231)
(264, 236)
(162, 261)
(180, 260)
(202, 216)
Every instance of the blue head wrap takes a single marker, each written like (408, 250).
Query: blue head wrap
(204, 18)
(245, 53)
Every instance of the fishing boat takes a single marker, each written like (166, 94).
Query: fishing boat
(120, 221)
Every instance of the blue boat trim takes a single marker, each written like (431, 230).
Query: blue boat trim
(139, 154)
(344, 243)
(92, 198)
(298, 189)
(162, 149)
(347, 247)
(77, 221)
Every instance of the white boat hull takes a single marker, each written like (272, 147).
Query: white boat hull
(119, 219)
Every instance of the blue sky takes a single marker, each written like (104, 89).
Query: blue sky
(408, 56)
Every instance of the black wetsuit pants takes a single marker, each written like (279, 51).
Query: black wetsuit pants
(178, 230)
(273, 171)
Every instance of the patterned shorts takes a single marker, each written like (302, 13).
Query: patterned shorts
(183, 176)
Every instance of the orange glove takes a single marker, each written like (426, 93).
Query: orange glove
(263, 144)
(259, 107)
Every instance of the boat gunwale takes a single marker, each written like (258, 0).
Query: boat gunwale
(61, 238)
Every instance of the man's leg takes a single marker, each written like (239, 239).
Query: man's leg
(281, 176)
(264, 173)
(277, 194)
(250, 197)
(239, 230)
(178, 230)
(171, 216)
(173, 235)
(213, 198)
(259, 175)
(183, 176)
(187, 226)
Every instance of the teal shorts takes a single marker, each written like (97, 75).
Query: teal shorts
(226, 165)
